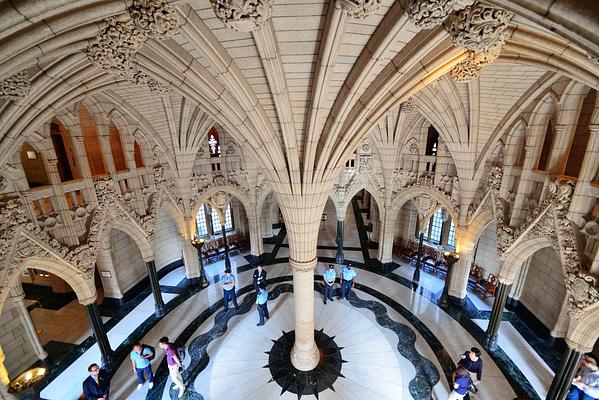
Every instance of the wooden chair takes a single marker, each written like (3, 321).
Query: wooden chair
(487, 287)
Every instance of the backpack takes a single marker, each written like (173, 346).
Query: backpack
(152, 349)
(180, 349)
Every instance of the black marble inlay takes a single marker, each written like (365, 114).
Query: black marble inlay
(299, 382)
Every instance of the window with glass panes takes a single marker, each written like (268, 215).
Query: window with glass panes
(216, 223)
(451, 236)
(435, 227)
(201, 222)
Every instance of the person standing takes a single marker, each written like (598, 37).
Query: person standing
(461, 384)
(473, 363)
(261, 301)
(174, 364)
(585, 386)
(229, 290)
(259, 278)
(328, 278)
(141, 359)
(97, 384)
(347, 281)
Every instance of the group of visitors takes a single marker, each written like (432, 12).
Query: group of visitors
(346, 280)
(468, 375)
(229, 293)
(97, 385)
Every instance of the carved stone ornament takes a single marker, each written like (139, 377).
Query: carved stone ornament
(302, 266)
(360, 8)
(407, 106)
(155, 18)
(478, 27)
(427, 14)
(242, 15)
(465, 70)
(413, 148)
(116, 45)
(593, 58)
(16, 86)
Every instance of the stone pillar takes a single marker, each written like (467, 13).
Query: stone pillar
(582, 202)
(501, 293)
(465, 243)
(451, 259)
(190, 259)
(376, 223)
(255, 230)
(302, 215)
(266, 218)
(155, 284)
(340, 228)
(562, 381)
(387, 233)
(97, 325)
(17, 295)
(4, 379)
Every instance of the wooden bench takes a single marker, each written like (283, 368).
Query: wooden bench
(487, 286)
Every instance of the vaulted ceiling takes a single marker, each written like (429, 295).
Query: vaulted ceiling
(297, 83)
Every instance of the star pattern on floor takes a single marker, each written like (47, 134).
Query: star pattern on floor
(299, 382)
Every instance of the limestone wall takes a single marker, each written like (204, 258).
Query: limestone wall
(128, 264)
(13, 340)
(167, 241)
(486, 252)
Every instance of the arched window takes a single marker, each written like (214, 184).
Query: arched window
(432, 142)
(63, 147)
(91, 142)
(520, 151)
(214, 143)
(139, 161)
(547, 144)
(581, 136)
(33, 166)
(451, 235)
(216, 227)
(116, 148)
(201, 222)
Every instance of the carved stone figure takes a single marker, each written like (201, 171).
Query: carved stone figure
(155, 18)
(427, 14)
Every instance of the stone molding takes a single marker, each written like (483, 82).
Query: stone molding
(303, 266)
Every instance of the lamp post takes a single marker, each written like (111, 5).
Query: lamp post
(198, 243)
(451, 259)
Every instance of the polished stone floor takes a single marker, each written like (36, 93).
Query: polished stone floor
(396, 341)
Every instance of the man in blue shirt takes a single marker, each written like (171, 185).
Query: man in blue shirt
(328, 278)
(140, 358)
(97, 384)
(229, 290)
(347, 281)
(261, 301)
(461, 384)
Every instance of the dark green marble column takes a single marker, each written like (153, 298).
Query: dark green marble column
(340, 228)
(99, 331)
(501, 293)
(226, 246)
(155, 284)
(562, 381)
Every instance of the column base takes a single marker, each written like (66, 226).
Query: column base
(160, 310)
(340, 258)
(254, 260)
(491, 342)
(456, 301)
(305, 361)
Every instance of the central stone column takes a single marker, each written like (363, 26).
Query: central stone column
(302, 215)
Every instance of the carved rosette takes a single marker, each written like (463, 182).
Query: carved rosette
(360, 8)
(154, 18)
(242, 15)
(478, 27)
(16, 86)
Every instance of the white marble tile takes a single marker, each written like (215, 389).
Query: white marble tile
(174, 277)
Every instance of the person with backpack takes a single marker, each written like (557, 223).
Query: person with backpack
(461, 384)
(174, 359)
(141, 358)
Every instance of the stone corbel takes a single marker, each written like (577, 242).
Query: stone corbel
(242, 15)
(16, 86)
(359, 8)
